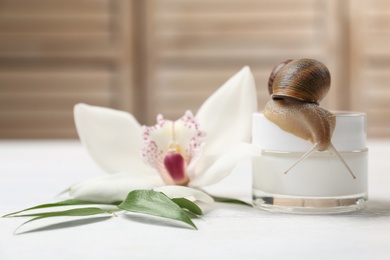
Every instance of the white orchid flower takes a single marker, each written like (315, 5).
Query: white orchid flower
(174, 157)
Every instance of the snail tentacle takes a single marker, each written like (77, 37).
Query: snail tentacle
(303, 157)
(313, 149)
(333, 149)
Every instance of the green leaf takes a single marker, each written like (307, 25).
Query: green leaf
(189, 205)
(79, 212)
(230, 200)
(154, 203)
(70, 212)
(71, 202)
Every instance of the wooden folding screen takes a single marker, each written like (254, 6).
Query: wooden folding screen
(167, 56)
(55, 53)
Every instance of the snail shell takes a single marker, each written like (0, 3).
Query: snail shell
(307, 80)
(274, 72)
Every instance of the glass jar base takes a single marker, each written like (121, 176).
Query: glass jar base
(308, 205)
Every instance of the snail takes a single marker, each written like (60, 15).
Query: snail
(296, 87)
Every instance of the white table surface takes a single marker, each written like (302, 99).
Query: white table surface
(33, 172)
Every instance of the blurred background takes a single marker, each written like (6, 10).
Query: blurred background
(166, 56)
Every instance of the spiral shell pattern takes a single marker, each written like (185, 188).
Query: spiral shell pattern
(306, 80)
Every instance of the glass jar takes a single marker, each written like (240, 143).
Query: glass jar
(319, 184)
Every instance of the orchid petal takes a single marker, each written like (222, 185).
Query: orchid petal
(111, 188)
(159, 135)
(187, 134)
(174, 191)
(113, 138)
(226, 116)
(194, 160)
(224, 164)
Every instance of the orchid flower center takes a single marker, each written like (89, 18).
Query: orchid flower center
(173, 148)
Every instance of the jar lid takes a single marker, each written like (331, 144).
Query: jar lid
(349, 134)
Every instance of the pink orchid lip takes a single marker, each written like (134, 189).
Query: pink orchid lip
(175, 165)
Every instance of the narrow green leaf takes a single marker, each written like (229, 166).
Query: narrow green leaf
(230, 200)
(189, 205)
(156, 204)
(79, 212)
(71, 202)
(70, 212)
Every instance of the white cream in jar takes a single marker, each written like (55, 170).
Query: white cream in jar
(320, 183)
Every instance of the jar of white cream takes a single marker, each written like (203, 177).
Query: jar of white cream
(320, 183)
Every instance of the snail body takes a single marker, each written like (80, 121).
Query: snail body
(305, 120)
(296, 88)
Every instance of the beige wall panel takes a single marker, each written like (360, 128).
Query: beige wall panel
(195, 46)
(370, 62)
(55, 54)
